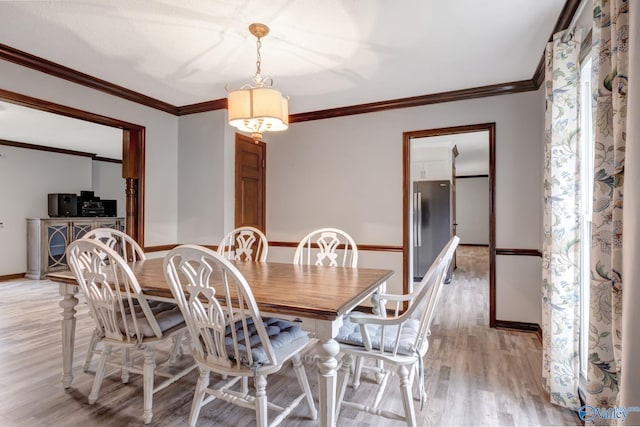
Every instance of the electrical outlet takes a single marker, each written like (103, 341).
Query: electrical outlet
(1, 224)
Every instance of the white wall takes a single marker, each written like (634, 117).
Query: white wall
(201, 177)
(344, 172)
(518, 279)
(472, 210)
(161, 180)
(108, 183)
(26, 177)
(347, 172)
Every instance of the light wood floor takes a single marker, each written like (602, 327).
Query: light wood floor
(474, 375)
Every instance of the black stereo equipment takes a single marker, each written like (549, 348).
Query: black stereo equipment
(110, 207)
(87, 196)
(63, 204)
(92, 209)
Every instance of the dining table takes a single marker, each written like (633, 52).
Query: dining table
(317, 296)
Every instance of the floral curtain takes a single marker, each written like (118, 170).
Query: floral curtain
(611, 66)
(630, 378)
(561, 245)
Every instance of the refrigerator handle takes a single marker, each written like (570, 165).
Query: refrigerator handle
(414, 223)
(419, 221)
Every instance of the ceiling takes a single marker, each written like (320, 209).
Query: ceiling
(31, 126)
(322, 54)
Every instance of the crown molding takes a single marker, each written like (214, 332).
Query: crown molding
(538, 76)
(25, 59)
(203, 107)
(415, 101)
(92, 156)
(52, 107)
(106, 160)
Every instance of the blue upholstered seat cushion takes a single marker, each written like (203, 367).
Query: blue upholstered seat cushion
(167, 315)
(280, 333)
(350, 334)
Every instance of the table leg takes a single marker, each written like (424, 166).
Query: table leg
(327, 350)
(68, 304)
(379, 304)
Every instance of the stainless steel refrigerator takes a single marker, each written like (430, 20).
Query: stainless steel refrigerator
(431, 223)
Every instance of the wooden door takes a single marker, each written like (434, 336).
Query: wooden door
(250, 182)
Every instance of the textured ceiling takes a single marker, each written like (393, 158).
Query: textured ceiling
(323, 54)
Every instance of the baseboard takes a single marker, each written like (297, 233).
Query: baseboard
(476, 245)
(519, 326)
(12, 277)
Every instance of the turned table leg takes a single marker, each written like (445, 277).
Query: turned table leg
(68, 304)
(327, 349)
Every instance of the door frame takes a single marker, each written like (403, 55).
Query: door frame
(406, 185)
(133, 153)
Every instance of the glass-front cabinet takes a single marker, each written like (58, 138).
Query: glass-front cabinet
(57, 244)
(47, 240)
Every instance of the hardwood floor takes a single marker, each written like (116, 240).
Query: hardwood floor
(473, 375)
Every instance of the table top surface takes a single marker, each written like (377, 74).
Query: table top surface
(299, 290)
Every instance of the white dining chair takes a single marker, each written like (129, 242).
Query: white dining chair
(244, 244)
(391, 304)
(401, 342)
(327, 246)
(125, 318)
(230, 337)
(119, 241)
(128, 249)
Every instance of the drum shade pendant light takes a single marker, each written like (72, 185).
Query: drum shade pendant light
(258, 108)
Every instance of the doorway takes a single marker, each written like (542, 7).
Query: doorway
(133, 154)
(413, 172)
(250, 183)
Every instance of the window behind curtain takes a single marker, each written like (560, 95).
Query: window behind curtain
(586, 172)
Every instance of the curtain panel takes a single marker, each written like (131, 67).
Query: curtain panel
(630, 378)
(561, 242)
(611, 68)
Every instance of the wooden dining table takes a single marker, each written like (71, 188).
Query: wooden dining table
(318, 296)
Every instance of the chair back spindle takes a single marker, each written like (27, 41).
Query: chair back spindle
(119, 241)
(244, 244)
(327, 246)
